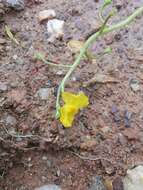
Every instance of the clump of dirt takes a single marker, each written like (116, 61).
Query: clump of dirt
(35, 149)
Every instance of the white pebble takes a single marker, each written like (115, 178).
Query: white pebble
(55, 29)
(48, 187)
(46, 14)
(134, 179)
(15, 57)
(44, 158)
(59, 73)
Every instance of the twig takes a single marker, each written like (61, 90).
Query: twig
(26, 136)
(89, 42)
(16, 136)
(40, 57)
(91, 157)
(53, 63)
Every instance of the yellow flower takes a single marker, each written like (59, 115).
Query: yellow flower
(73, 103)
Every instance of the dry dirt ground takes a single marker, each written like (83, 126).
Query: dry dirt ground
(34, 148)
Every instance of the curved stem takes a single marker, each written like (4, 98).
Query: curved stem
(40, 57)
(56, 65)
(101, 13)
(89, 42)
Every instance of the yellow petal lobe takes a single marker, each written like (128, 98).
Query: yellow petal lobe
(73, 103)
(67, 115)
(80, 100)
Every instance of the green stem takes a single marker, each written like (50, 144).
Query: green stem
(56, 65)
(101, 12)
(40, 57)
(90, 41)
(110, 14)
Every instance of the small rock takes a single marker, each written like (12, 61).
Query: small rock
(43, 93)
(128, 114)
(2, 41)
(131, 133)
(15, 57)
(127, 118)
(134, 84)
(114, 109)
(74, 79)
(115, 113)
(97, 184)
(16, 95)
(46, 15)
(15, 4)
(29, 159)
(108, 184)
(117, 117)
(49, 187)
(22, 187)
(134, 179)
(44, 158)
(9, 120)
(44, 179)
(109, 40)
(106, 129)
(118, 184)
(30, 165)
(110, 170)
(121, 139)
(3, 87)
(58, 172)
(55, 29)
(2, 101)
(59, 72)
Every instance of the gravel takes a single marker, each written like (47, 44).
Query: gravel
(18, 5)
(97, 184)
(9, 120)
(43, 93)
(3, 87)
(49, 187)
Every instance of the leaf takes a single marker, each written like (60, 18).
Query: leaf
(107, 2)
(100, 78)
(75, 45)
(10, 35)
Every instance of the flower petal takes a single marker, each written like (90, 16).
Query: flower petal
(82, 100)
(73, 103)
(79, 101)
(67, 114)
